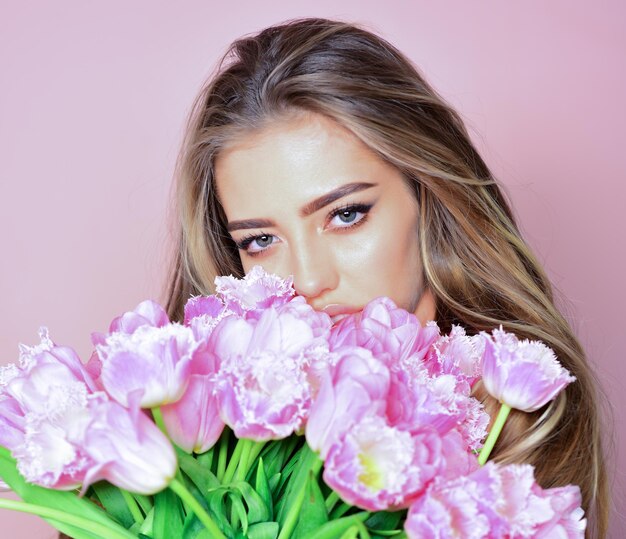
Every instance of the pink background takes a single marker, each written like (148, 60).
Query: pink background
(92, 103)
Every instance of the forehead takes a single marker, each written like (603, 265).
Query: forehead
(292, 161)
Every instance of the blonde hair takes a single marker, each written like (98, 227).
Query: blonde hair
(478, 267)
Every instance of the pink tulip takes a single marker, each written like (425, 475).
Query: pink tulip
(262, 386)
(48, 411)
(205, 306)
(568, 520)
(442, 402)
(386, 330)
(33, 387)
(193, 422)
(456, 457)
(147, 313)
(263, 396)
(448, 513)
(40, 403)
(89, 438)
(496, 501)
(473, 428)
(12, 422)
(524, 375)
(457, 354)
(378, 467)
(49, 353)
(51, 453)
(203, 314)
(155, 362)
(256, 291)
(353, 389)
(319, 322)
(127, 449)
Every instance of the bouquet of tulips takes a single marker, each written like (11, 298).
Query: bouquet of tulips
(259, 418)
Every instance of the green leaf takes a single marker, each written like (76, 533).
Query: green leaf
(202, 477)
(257, 508)
(351, 533)
(385, 521)
(206, 459)
(287, 516)
(262, 487)
(363, 533)
(253, 460)
(144, 502)
(168, 515)
(271, 454)
(113, 501)
(217, 509)
(274, 481)
(263, 530)
(222, 455)
(238, 512)
(313, 514)
(285, 484)
(339, 510)
(146, 526)
(278, 453)
(336, 528)
(292, 464)
(65, 501)
(194, 529)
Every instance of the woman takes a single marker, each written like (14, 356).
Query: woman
(319, 151)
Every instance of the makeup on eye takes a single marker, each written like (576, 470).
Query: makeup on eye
(348, 219)
(347, 209)
(246, 241)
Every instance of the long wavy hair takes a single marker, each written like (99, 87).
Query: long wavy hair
(479, 269)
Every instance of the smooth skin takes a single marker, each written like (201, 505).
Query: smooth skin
(305, 197)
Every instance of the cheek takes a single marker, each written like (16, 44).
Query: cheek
(277, 262)
(383, 260)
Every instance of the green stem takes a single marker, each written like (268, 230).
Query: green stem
(350, 533)
(364, 534)
(206, 458)
(494, 433)
(339, 510)
(257, 447)
(242, 469)
(234, 461)
(332, 499)
(199, 511)
(249, 453)
(294, 510)
(158, 419)
(86, 524)
(181, 480)
(223, 455)
(132, 506)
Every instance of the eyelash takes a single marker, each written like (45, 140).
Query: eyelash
(244, 243)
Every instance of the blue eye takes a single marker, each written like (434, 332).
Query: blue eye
(264, 241)
(347, 216)
(350, 215)
(255, 243)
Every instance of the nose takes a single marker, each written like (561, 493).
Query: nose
(314, 271)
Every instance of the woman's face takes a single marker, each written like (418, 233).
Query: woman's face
(305, 197)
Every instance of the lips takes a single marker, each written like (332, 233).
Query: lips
(338, 311)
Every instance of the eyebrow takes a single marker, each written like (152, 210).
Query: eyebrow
(307, 209)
